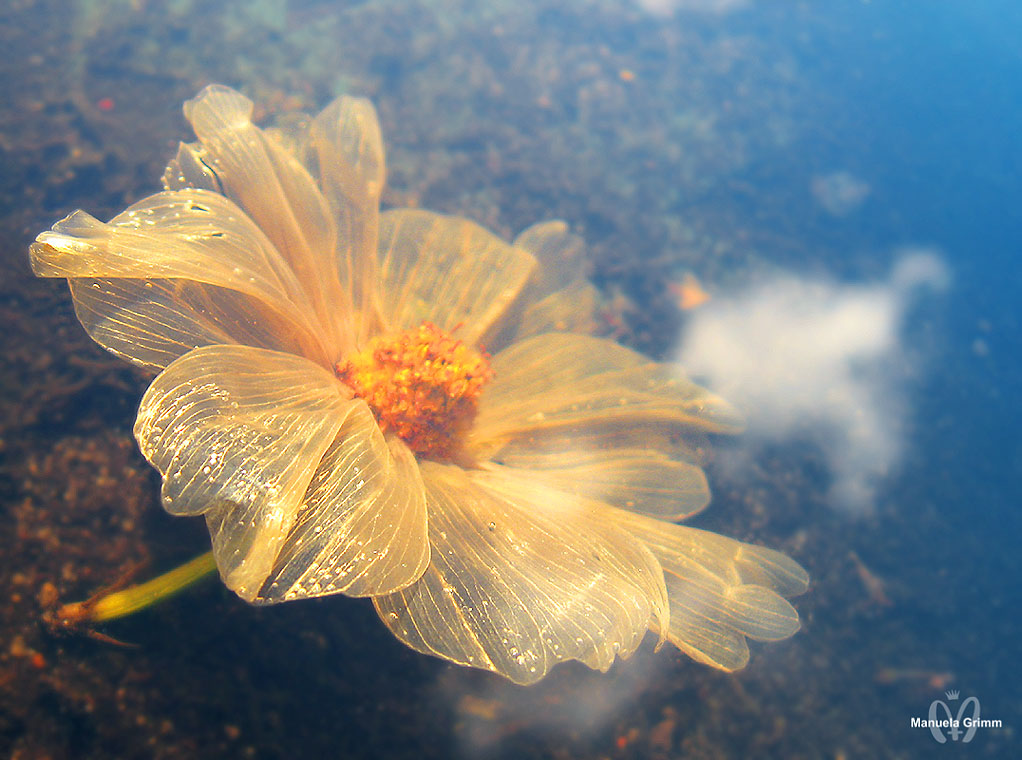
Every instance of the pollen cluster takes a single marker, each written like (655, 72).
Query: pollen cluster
(422, 384)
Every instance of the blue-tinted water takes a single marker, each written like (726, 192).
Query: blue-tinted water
(792, 157)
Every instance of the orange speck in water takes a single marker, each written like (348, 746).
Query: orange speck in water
(422, 384)
(626, 75)
(105, 104)
(487, 709)
(689, 292)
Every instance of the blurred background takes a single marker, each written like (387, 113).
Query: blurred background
(840, 178)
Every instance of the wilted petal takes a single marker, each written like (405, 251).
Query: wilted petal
(238, 433)
(277, 192)
(521, 577)
(448, 271)
(721, 590)
(174, 271)
(361, 529)
(558, 382)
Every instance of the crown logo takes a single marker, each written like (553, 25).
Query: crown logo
(952, 695)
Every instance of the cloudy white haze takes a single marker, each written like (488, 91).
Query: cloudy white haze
(821, 360)
(669, 7)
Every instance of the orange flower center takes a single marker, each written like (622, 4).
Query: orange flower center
(422, 384)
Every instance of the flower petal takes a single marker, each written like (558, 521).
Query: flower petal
(732, 560)
(639, 479)
(569, 310)
(188, 170)
(277, 192)
(448, 271)
(361, 529)
(557, 297)
(344, 148)
(174, 271)
(558, 382)
(560, 253)
(721, 590)
(521, 578)
(701, 634)
(238, 433)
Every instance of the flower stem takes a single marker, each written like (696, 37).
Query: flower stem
(134, 598)
(110, 605)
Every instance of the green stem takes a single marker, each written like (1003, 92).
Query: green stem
(134, 598)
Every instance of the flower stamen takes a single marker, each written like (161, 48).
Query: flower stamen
(423, 384)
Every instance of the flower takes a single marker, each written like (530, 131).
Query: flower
(324, 400)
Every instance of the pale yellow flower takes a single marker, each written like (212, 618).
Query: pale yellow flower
(324, 402)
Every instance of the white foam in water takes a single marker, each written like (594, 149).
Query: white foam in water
(819, 360)
(669, 7)
(571, 701)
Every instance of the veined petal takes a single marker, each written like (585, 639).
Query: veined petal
(558, 296)
(174, 271)
(569, 310)
(448, 271)
(188, 170)
(237, 434)
(521, 578)
(710, 619)
(175, 233)
(277, 192)
(638, 479)
(153, 322)
(721, 590)
(701, 633)
(344, 148)
(560, 253)
(736, 562)
(361, 529)
(558, 382)
(684, 446)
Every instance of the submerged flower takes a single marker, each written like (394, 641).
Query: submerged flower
(325, 401)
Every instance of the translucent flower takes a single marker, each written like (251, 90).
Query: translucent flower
(323, 399)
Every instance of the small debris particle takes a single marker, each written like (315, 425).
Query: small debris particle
(662, 734)
(18, 648)
(486, 709)
(47, 595)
